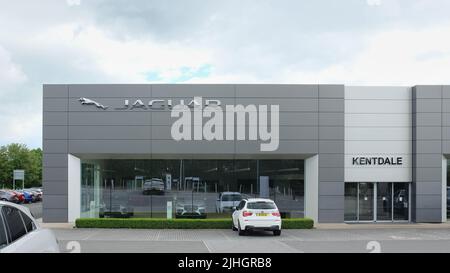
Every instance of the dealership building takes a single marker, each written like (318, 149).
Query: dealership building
(333, 153)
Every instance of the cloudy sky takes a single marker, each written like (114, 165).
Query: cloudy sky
(359, 42)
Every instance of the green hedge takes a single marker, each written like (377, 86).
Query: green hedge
(160, 223)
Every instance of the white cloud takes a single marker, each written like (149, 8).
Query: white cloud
(21, 125)
(73, 2)
(365, 42)
(10, 72)
(397, 57)
(374, 2)
(126, 61)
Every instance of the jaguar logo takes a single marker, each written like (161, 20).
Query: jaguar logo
(85, 101)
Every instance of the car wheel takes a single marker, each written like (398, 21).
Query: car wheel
(241, 232)
(3, 199)
(276, 232)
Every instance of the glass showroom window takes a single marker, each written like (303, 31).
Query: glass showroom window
(187, 188)
(283, 182)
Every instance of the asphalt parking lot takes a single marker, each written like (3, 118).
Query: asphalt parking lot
(226, 241)
(353, 238)
(35, 208)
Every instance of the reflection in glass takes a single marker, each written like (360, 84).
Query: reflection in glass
(366, 192)
(401, 201)
(351, 202)
(186, 188)
(384, 201)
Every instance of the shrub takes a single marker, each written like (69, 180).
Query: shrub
(161, 223)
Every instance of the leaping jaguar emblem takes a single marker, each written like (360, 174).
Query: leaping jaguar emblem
(85, 101)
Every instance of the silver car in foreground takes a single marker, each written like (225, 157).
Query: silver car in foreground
(20, 233)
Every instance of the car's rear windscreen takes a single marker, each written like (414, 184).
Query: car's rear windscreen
(232, 197)
(261, 205)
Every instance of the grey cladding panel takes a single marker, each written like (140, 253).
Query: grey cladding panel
(55, 132)
(192, 147)
(331, 215)
(55, 104)
(109, 90)
(298, 119)
(424, 175)
(280, 91)
(428, 147)
(285, 104)
(331, 91)
(54, 215)
(55, 118)
(428, 215)
(445, 119)
(331, 105)
(331, 188)
(428, 160)
(54, 146)
(446, 105)
(109, 146)
(429, 188)
(331, 119)
(429, 133)
(55, 202)
(331, 147)
(55, 91)
(428, 106)
(54, 160)
(446, 91)
(330, 202)
(331, 161)
(110, 118)
(54, 174)
(331, 133)
(446, 133)
(446, 147)
(285, 132)
(285, 147)
(55, 187)
(109, 132)
(428, 119)
(428, 92)
(428, 201)
(331, 174)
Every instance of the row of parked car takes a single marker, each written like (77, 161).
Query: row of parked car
(24, 196)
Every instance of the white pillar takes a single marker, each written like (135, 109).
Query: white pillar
(312, 188)
(74, 188)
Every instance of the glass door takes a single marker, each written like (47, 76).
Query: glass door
(366, 201)
(401, 201)
(384, 201)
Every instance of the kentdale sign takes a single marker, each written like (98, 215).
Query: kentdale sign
(224, 123)
(377, 161)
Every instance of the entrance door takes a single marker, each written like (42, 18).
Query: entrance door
(401, 201)
(366, 194)
(384, 201)
(377, 202)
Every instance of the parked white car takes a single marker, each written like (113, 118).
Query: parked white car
(257, 214)
(20, 233)
(228, 201)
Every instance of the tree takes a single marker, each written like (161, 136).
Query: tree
(18, 156)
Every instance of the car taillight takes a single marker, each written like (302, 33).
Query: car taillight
(247, 213)
(277, 214)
